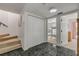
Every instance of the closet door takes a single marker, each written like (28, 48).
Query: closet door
(35, 31)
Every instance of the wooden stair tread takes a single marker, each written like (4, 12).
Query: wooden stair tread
(10, 48)
(3, 35)
(7, 38)
(9, 41)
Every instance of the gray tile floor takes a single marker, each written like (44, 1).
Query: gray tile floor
(44, 49)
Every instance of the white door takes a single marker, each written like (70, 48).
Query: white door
(35, 31)
(64, 30)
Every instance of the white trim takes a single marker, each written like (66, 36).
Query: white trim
(35, 16)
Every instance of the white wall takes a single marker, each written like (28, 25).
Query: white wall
(13, 23)
(34, 30)
(11, 20)
(3, 19)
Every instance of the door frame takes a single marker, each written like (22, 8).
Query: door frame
(77, 37)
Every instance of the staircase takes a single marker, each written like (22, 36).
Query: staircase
(8, 43)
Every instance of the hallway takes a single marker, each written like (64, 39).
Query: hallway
(39, 29)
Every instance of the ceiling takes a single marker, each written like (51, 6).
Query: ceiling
(12, 7)
(41, 9)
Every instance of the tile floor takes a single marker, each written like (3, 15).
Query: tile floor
(44, 49)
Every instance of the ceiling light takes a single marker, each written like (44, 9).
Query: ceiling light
(53, 10)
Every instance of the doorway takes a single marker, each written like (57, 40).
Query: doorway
(52, 30)
(69, 31)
